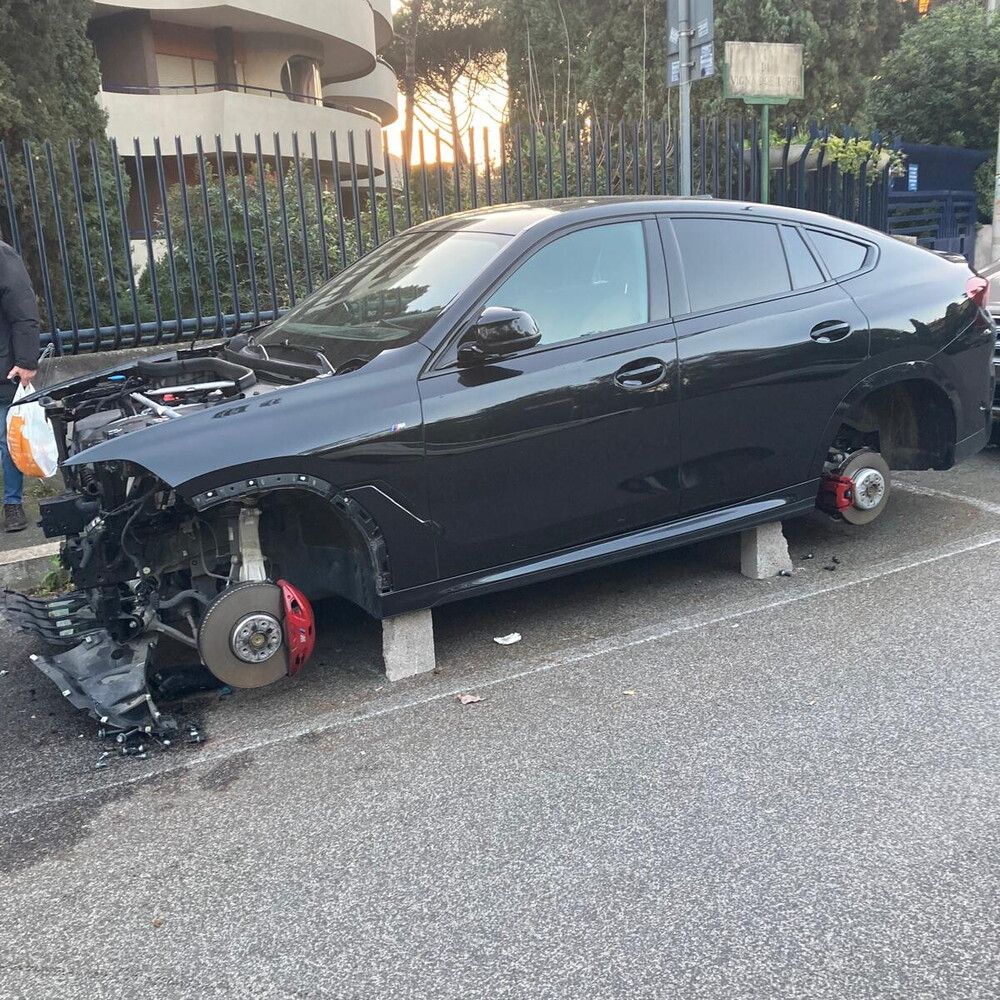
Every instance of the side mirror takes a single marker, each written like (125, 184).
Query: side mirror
(499, 332)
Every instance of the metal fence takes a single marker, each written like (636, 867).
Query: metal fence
(941, 220)
(167, 244)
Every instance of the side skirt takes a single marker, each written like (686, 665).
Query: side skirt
(799, 500)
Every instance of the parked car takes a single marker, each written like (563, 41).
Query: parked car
(491, 399)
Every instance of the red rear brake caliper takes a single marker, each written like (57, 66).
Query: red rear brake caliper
(836, 493)
(300, 627)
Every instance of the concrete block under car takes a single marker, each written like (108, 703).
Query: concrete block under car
(408, 644)
(764, 552)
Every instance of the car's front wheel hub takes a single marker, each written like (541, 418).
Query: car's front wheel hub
(256, 638)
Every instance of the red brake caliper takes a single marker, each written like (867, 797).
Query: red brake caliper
(300, 627)
(836, 493)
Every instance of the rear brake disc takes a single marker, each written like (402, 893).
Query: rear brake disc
(869, 472)
(241, 639)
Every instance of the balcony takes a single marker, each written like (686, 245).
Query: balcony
(346, 29)
(375, 93)
(382, 9)
(148, 113)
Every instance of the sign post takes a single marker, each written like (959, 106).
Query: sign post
(763, 73)
(991, 9)
(690, 56)
(684, 26)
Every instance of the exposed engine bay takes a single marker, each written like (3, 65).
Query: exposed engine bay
(158, 585)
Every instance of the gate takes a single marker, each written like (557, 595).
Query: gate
(940, 220)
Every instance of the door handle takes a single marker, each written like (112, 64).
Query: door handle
(831, 330)
(644, 374)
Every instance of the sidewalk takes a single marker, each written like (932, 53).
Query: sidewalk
(26, 556)
(34, 491)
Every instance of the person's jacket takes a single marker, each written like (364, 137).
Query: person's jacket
(19, 321)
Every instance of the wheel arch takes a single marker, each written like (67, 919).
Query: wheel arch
(323, 540)
(911, 409)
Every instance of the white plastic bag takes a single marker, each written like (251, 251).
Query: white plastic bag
(30, 438)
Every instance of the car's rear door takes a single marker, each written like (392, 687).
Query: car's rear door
(768, 345)
(573, 440)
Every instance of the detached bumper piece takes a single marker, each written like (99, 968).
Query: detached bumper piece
(108, 680)
(61, 621)
(103, 677)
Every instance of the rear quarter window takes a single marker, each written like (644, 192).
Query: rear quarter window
(841, 256)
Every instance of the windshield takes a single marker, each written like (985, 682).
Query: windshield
(388, 299)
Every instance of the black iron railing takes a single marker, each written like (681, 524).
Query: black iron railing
(232, 233)
(242, 88)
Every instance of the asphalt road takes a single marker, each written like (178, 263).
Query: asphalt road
(679, 784)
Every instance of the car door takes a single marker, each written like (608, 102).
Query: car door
(769, 346)
(575, 439)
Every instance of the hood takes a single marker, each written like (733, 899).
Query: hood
(264, 424)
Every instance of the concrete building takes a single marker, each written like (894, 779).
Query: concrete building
(221, 67)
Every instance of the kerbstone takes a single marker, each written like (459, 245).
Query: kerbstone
(408, 645)
(764, 552)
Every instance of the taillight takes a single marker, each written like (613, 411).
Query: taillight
(978, 289)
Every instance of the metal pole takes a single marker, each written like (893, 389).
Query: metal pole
(765, 152)
(991, 9)
(684, 55)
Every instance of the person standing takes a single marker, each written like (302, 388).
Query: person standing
(20, 333)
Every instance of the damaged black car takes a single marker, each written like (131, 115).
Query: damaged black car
(491, 399)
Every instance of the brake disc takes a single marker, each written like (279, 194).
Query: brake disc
(869, 472)
(242, 639)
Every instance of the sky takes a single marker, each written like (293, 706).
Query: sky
(394, 132)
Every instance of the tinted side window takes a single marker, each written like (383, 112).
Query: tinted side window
(801, 263)
(591, 281)
(840, 256)
(728, 261)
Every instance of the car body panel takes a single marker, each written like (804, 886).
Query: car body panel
(787, 503)
(600, 459)
(331, 420)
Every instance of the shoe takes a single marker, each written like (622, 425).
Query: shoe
(13, 517)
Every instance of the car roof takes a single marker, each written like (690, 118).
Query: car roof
(517, 217)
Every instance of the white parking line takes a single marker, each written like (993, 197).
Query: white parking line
(924, 491)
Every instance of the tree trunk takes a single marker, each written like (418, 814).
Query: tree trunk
(456, 137)
(410, 77)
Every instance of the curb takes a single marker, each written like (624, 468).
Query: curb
(24, 569)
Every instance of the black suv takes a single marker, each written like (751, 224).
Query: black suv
(491, 399)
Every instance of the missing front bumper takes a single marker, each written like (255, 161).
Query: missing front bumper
(105, 678)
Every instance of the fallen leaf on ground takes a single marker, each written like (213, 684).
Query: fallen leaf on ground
(157, 921)
(508, 640)
(468, 699)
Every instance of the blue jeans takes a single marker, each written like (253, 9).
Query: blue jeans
(13, 478)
